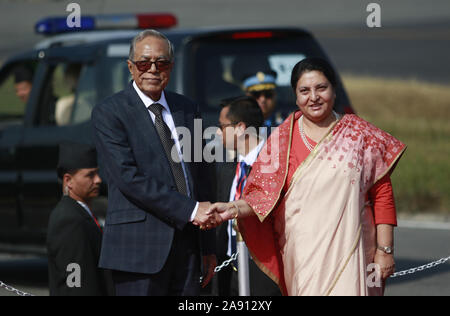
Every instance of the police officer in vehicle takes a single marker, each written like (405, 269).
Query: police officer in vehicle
(262, 86)
(23, 82)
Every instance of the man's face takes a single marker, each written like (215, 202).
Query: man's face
(226, 130)
(84, 185)
(266, 100)
(23, 90)
(152, 81)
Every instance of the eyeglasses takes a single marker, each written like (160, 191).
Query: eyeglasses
(268, 94)
(145, 65)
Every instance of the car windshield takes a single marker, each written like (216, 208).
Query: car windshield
(208, 70)
(221, 66)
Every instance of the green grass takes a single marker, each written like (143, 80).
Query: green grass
(418, 114)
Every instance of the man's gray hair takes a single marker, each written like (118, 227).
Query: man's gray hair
(149, 33)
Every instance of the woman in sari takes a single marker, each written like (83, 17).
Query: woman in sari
(318, 210)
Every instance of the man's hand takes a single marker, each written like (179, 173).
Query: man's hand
(206, 219)
(225, 211)
(209, 265)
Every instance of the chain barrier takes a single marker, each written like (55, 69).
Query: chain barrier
(421, 268)
(226, 262)
(13, 290)
(234, 257)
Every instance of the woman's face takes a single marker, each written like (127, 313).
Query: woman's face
(315, 96)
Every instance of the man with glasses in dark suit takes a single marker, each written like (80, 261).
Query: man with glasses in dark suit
(239, 123)
(152, 239)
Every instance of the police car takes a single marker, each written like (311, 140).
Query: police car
(74, 69)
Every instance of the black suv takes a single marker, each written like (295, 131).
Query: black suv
(72, 72)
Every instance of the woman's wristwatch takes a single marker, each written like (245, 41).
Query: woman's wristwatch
(387, 250)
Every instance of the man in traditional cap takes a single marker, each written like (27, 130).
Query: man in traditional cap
(74, 235)
(261, 85)
(23, 82)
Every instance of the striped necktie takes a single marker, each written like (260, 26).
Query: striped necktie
(242, 171)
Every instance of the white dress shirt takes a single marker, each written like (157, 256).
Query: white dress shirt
(249, 161)
(168, 119)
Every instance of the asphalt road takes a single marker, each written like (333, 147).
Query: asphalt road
(414, 247)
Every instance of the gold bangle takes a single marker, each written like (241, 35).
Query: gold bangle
(238, 210)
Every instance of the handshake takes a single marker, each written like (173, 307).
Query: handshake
(212, 215)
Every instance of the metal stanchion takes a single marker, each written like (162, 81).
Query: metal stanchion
(243, 267)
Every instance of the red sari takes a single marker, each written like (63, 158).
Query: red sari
(352, 145)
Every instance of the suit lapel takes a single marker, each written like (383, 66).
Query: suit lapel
(176, 109)
(144, 122)
(179, 118)
(80, 211)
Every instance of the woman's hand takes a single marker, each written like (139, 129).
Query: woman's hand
(231, 210)
(385, 237)
(386, 263)
(226, 211)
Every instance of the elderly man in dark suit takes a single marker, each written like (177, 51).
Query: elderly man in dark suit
(74, 236)
(152, 240)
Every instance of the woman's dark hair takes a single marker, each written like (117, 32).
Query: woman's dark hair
(246, 109)
(313, 64)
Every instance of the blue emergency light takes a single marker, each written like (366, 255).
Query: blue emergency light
(56, 25)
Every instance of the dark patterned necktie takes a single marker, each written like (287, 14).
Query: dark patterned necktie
(168, 143)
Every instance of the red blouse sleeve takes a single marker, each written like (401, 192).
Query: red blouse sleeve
(382, 197)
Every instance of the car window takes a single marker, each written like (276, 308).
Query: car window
(86, 95)
(222, 65)
(65, 79)
(98, 81)
(56, 96)
(15, 89)
(113, 76)
(73, 89)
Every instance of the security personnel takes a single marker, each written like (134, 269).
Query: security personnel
(262, 86)
(74, 235)
(23, 82)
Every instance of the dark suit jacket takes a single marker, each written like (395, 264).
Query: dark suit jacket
(73, 237)
(144, 206)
